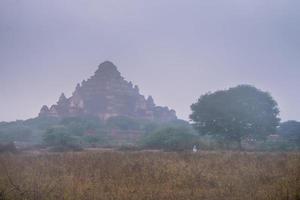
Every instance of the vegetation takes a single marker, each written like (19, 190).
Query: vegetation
(26, 131)
(240, 117)
(286, 139)
(171, 138)
(10, 132)
(83, 131)
(235, 114)
(141, 166)
(147, 175)
(289, 133)
(10, 147)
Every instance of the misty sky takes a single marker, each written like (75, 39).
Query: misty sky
(174, 50)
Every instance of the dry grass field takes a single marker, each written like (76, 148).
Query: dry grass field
(151, 176)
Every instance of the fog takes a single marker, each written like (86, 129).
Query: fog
(174, 50)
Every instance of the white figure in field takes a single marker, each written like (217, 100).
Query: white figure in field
(195, 149)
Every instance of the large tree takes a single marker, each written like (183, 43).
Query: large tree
(240, 112)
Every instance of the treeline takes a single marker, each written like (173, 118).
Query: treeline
(77, 133)
(242, 117)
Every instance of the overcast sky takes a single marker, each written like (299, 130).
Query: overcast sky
(174, 50)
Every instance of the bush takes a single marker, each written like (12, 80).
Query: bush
(59, 136)
(170, 139)
(8, 148)
(15, 131)
(290, 132)
(64, 148)
(79, 125)
(129, 148)
(280, 145)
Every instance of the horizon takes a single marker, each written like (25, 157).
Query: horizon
(117, 68)
(182, 51)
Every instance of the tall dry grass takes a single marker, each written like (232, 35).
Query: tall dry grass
(149, 175)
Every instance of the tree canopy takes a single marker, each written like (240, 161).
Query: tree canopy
(237, 113)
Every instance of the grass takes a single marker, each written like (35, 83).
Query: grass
(150, 176)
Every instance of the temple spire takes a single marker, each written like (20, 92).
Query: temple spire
(62, 99)
(107, 69)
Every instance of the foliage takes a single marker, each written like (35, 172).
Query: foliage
(277, 145)
(41, 123)
(79, 125)
(153, 126)
(94, 140)
(88, 130)
(290, 131)
(60, 139)
(29, 131)
(170, 138)
(91, 132)
(237, 113)
(13, 131)
(58, 136)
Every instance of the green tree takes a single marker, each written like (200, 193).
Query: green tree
(237, 113)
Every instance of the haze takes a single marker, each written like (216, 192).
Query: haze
(174, 50)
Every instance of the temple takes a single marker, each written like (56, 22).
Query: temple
(107, 94)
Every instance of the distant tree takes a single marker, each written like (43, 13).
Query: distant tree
(41, 123)
(58, 136)
(290, 131)
(15, 131)
(170, 138)
(237, 113)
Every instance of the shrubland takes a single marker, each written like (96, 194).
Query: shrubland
(150, 175)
